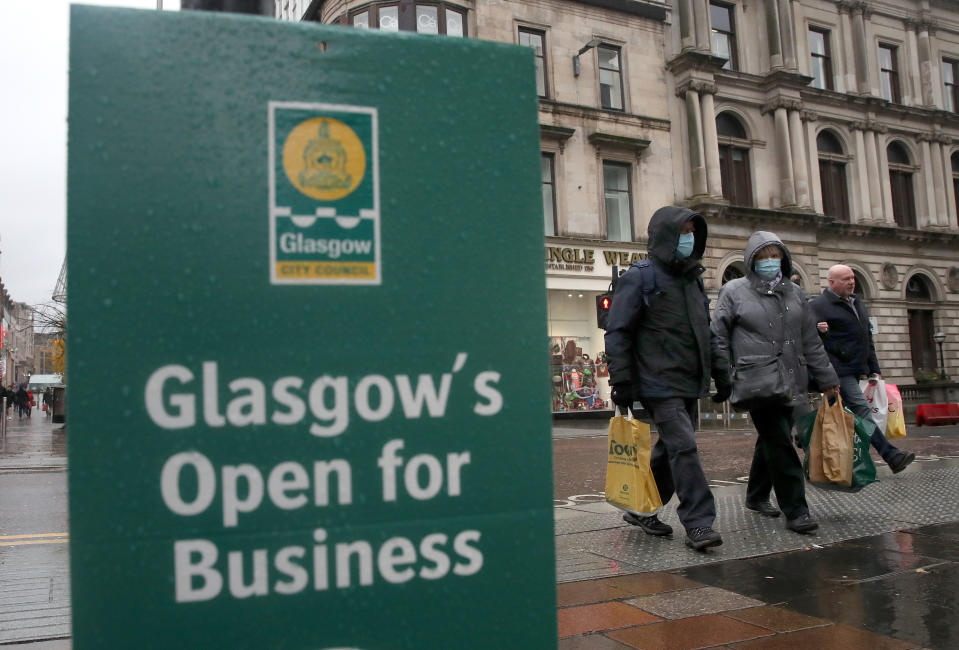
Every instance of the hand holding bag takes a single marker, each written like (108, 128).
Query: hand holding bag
(810, 432)
(875, 394)
(838, 442)
(629, 480)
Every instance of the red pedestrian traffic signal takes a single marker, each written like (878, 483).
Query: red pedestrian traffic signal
(603, 302)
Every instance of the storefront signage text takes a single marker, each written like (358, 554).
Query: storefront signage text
(583, 259)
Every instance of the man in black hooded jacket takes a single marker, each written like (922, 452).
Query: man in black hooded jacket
(658, 344)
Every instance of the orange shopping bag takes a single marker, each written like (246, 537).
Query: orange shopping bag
(832, 446)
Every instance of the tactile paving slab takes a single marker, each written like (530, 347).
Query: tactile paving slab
(596, 543)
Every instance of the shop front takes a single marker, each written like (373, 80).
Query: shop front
(577, 275)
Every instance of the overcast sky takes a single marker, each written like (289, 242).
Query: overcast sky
(33, 141)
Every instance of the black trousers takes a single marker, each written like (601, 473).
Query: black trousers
(776, 464)
(675, 461)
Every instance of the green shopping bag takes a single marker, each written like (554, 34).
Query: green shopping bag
(863, 469)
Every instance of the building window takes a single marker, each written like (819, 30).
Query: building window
(955, 178)
(618, 194)
(950, 79)
(724, 33)
(889, 73)
(549, 192)
(536, 40)
(407, 16)
(733, 272)
(734, 160)
(820, 61)
(921, 342)
(610, 77)
(832, 176)
(900, 182)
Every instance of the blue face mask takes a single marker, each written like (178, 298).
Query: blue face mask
(768, 269)
(685, 246)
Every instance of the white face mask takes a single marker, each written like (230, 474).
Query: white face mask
(685, 246)
(768, 268)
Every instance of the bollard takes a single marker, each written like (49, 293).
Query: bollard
(3, 425)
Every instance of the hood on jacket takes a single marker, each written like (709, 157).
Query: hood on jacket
(759, 240)
(663, 233)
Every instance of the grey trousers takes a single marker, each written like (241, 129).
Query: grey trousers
(675, 461)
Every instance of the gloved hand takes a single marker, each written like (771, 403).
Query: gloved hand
(723, 391)
(622, 396)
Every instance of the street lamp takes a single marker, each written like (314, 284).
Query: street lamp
(593, 43)
(940, 338)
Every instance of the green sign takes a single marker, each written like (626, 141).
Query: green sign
(307, 408)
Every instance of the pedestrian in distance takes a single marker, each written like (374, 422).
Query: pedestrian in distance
(658, 346)
(22, 400)
(843, 324)
(758, 318)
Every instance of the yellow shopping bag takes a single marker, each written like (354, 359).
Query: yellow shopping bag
(629, 480)
(896, 422)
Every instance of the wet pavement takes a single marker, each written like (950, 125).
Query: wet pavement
(882, 571)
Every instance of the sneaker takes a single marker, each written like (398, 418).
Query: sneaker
(651, 525)
(700, 538)
(765, 508)
(802, 524)
(901, 461)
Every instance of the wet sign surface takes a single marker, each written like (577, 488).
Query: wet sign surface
(299, 414)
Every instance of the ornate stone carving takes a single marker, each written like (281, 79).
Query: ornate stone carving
(781, 102)
(889, 276)
(697, 86)
(921, 23)
(808, 116)
(952, 279)
(869, 125)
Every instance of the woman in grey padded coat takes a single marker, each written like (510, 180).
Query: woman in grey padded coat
(760, 316)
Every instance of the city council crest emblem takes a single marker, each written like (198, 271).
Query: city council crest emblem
(324, 194)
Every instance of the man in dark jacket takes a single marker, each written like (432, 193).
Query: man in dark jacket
(659, 348)
(844, 328)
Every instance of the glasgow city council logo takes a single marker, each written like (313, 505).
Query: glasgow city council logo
(324, 194)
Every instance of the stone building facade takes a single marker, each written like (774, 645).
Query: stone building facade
(830, 123)
(833, 124)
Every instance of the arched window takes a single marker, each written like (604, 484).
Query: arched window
(832, 176)
(734, 159)
(900, 182)
(919, 295)
(733, 271)
(860, 290)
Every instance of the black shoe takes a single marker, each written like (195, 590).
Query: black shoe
(700, 538)
(651, 525)
(901, 461)
(802, 524)
(765, 508)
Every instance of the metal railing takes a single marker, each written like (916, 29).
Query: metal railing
(721, 416)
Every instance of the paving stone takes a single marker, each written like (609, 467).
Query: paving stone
(777, 619)
(832, 637)
(697, 632)
(591, 642)
(574, 621)
(693, 602)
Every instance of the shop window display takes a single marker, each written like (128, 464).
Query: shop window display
(574, 376)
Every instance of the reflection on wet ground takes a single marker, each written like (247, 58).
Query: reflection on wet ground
(903, 584)
(33, 441)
